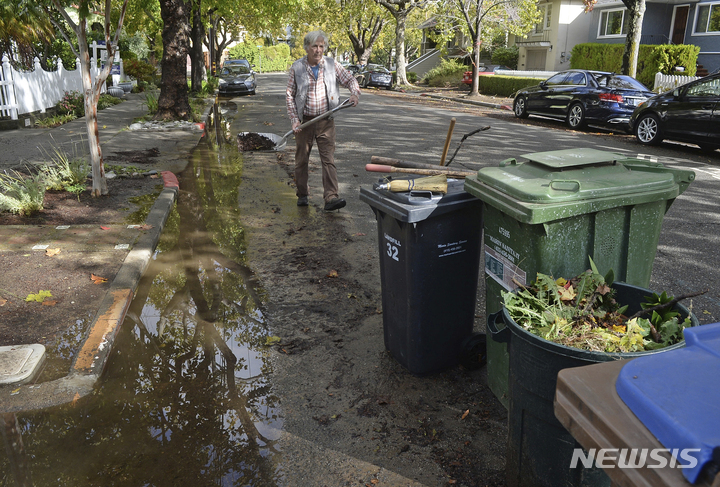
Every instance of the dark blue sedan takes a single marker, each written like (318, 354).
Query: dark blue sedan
(580, 97)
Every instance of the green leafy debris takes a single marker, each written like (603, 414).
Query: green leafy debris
(39, 297)
(582, 312)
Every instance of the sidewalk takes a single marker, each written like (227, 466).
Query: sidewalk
(117, 133)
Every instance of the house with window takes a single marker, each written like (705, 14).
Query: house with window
(547, 46)
(667, 22)
(565, 23)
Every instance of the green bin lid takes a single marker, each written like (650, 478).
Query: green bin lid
(559, 184)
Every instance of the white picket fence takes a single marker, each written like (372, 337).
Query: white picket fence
(667, 82)
(23, 92)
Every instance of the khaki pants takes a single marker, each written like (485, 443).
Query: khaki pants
(324, 133)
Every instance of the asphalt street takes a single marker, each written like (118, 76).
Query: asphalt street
(392, 125)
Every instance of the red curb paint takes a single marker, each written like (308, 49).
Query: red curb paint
(170, 180)
(201, 125)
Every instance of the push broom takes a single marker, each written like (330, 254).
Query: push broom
(436, 184)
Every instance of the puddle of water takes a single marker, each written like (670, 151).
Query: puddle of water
(186, 398)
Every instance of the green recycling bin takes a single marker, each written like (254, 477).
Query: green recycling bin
(551, 212)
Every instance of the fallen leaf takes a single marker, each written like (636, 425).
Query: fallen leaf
(359, 234)
(144, 227)
(567, 294)
(105, 228)
(272, 340)
(75, 398)
(332, 273)
(374, 481)
(51, 252)
(603, 289)
(467, 411)
(49, 303)
(154, 176)
(15, 391)
(104, 126)
(3, 301)
(97, 279)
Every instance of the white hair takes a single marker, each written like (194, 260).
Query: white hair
(312, 37)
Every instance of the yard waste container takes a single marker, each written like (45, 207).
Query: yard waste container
(540, 449)
(650, 404)
(429, 265)
(550, 212)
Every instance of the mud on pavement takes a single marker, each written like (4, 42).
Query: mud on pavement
(353, 415)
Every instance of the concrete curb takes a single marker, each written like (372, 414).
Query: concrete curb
(94, 353)
(468, 102)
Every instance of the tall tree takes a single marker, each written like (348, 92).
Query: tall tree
(515, 16)
(636, 14)
(21, 30)
(173, 103)
(91, 91)
(400, 10)
(364, 24)
(197, 35)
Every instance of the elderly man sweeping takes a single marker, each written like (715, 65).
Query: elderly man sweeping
(312, 90)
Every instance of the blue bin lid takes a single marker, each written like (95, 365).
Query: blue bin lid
(676, 395)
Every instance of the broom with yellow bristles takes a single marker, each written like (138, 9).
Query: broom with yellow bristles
(436, 184)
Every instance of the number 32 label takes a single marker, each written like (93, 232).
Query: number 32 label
(393, 247)
(392, 251)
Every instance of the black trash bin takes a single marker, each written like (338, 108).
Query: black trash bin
(429, 262)
(540, 449)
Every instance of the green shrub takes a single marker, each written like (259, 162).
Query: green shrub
(65, 172)
(210, 86)
(151, 102)
(505, 86)
(140, 70)
(72, 103)
(448, 72)
(652, 59)
(506, 56)
(266, 58)
(22, 194)
(106, 101)
(54, 121)
(412, 76)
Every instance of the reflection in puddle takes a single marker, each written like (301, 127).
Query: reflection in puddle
(186, 398)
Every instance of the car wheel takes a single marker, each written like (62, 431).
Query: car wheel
(647, 130)
(576, 116)
(520, 107)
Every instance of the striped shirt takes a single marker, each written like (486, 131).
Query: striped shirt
(317, 102)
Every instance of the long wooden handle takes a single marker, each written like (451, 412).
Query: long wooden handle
(388, 161)
(447, 141)
(428, 172)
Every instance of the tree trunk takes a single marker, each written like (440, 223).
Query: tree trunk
(477, 43)
(196, 52)
(400, 61)
(362, 45)
(636, 11)
(173, 103)
(90, 98)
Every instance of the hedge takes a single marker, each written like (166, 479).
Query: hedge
(274, 58)
(651, 59)
(505, 86)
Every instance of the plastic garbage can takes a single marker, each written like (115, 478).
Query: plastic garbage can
(429, 246)
(540, 449)
(649, 413)
(550, 212)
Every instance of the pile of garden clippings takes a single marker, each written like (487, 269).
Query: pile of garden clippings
(251, 141)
